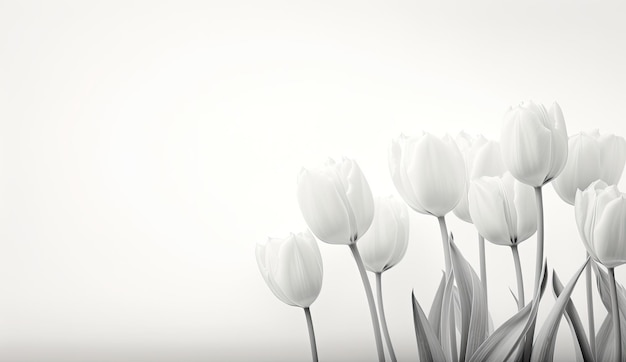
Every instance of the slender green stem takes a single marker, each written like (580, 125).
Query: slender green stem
(370, 301)
(539, 260)
(592, 325)
(615, 316)
(520, 281)
(309, 322)
(538, 265)
(383, 319)
(483, 267)
(445, 241)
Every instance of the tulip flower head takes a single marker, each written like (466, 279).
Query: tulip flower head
(534, 143)
(601, 218)
(482, 158)
(386, 241)
(336, 201)
(428, 172)
(503, 209)
(292, 268)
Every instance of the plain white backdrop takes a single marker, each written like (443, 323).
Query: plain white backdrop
(146, 146)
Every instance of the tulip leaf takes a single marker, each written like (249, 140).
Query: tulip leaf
(605, 291)
(434, 316)
(428, 345)
(583, 352)
(543, 348)
(474, 318)
(504, 341)
(447, 329)
(605, 342)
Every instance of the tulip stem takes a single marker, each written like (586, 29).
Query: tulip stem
(520, 280)
(309, 322)
(445, 241)
(538, 266)
(615, 316)
(370, 301)
(539, 260)
(592, 325)
(483, 266)
(383, 319)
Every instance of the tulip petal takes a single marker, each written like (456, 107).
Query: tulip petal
(487, 209)
(359, 196)
(437, 174)
(267, 260)
(397, 168)
(488, 161)
(613, 150)
(526, 207)
(299, 274)
(610, 234)
(581, 169)
(526, 145)
(558, 144)
(323, 208)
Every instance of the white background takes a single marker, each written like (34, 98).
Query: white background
(145, 147)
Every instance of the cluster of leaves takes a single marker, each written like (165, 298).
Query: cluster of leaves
(459, 310)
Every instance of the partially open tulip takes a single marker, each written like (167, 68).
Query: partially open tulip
(336, 201)
(534, 143)
(482, 158)
(386, 241)
(601, 219)
(503, 209)
(428, 172)
(292, 268)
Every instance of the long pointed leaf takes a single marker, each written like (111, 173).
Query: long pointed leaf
(428, 345)
(434, 316)
(504, 341)
(573, 319)
(605, 341)
(448, 344)
(474, 319)
(605, 295)
(543, 349)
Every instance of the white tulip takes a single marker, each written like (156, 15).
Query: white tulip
(612, 158)
(582, 166)
(336, 201)
(482, 158)
(503, 209)
(428, 172)
(292, 268)
(601, 219)
(534, 143)
(386, 241)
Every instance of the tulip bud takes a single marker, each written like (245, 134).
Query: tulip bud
(336, 201)
(534, 143)
(601, 218)
(292, 268)
(503, 209)
(386, 241)
(428, 172)
(482, 158)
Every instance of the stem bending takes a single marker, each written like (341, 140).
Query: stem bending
(309, 322)
(383, 319)
(370, 301)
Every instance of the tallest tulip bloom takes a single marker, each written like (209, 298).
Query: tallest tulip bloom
(534, 149)
(534, 143)
(429, 174)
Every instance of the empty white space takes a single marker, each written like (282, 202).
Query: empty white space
(146, 146)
